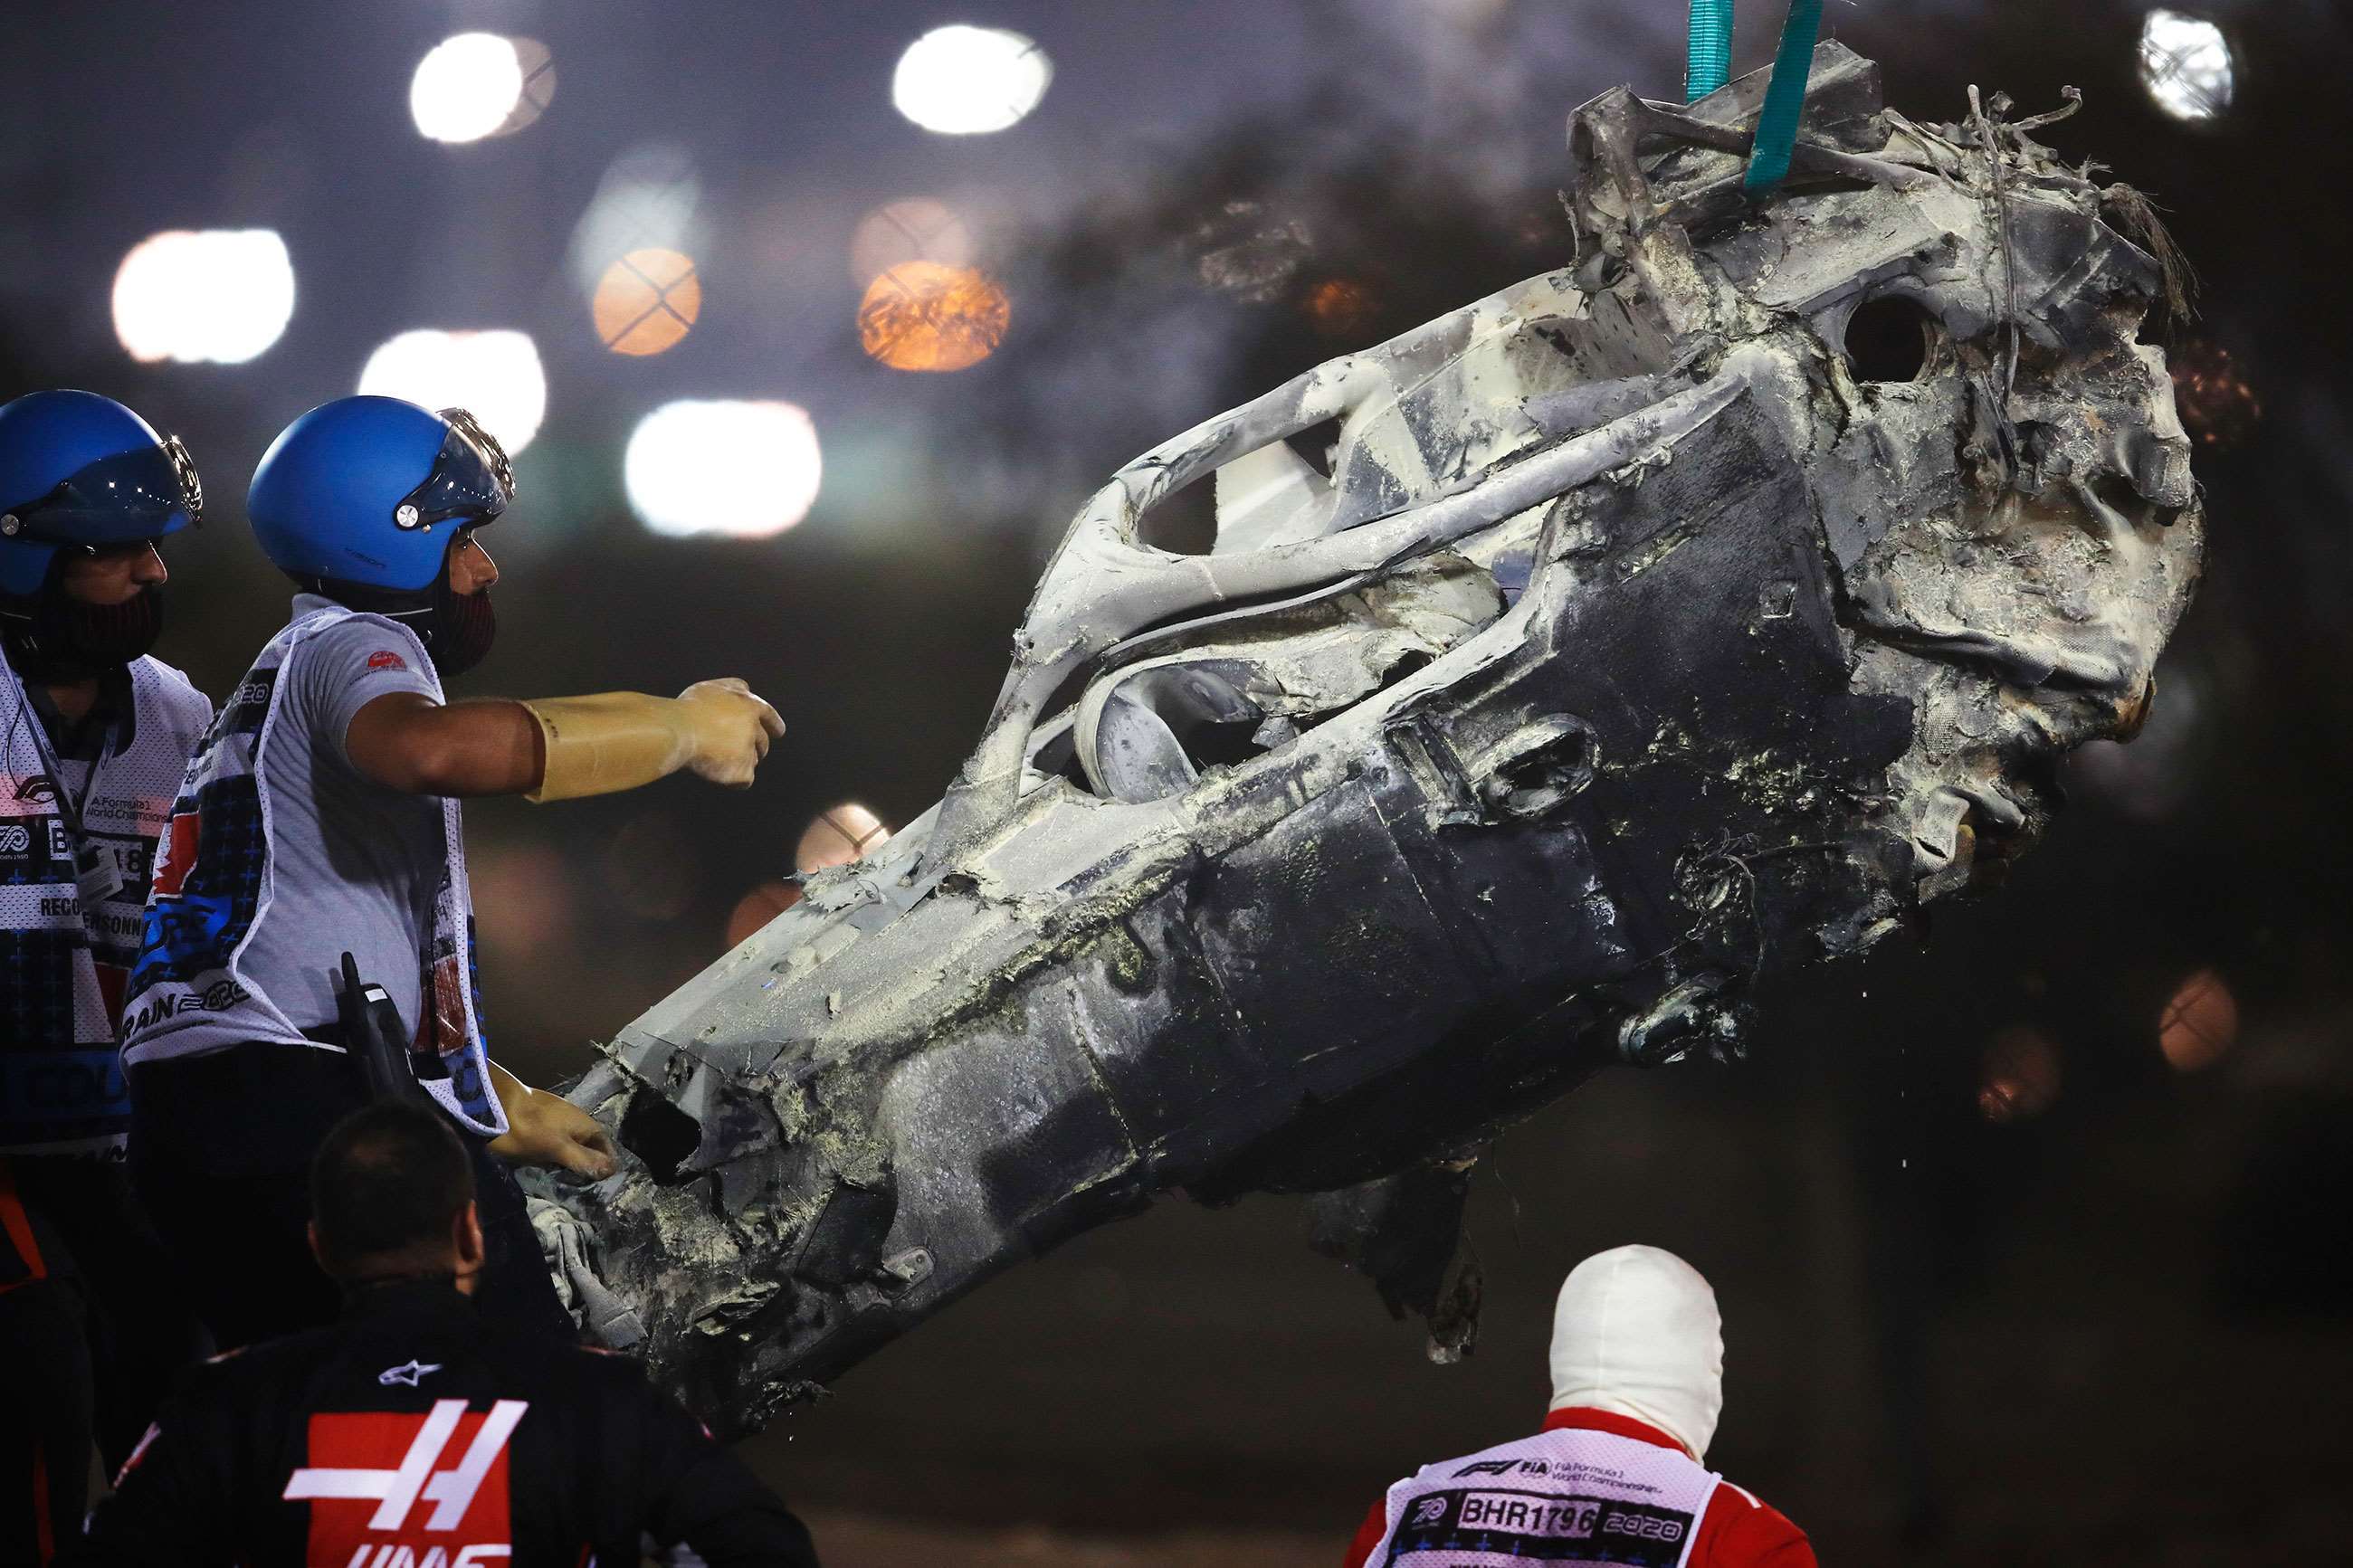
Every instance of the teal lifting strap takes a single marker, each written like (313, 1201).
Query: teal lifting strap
(1785, 96)
(1709, 63)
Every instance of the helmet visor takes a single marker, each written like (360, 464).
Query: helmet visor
(142, 494)
(471, 478)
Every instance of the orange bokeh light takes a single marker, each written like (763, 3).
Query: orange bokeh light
(835, 837)
(647, 301)
(2019, 1077)
(2219, 406)
(927, 316)
(2200, 1023)
(1342, 307)
(757, 908)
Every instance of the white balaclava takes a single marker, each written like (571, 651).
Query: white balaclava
(1636, 1332)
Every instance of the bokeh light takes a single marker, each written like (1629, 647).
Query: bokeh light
(647, 301)
(737, 470)
(835, 837)
(218, 296)
(537, 63)
(495, 375)
(838, 836)
(2217, 405)
(757, 908)
(1342, 307)
(965, 81)
(466, 88)
(2200, 1023)
(915, 229)
(2017, 1077)
(648, 200)
(2186, 65)
(924, 316)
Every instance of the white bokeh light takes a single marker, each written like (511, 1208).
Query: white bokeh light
(466, 87)
(649, 199)
(494, 375)
(216, 295)
(965, 81)
(731, 469)
(2186, 65)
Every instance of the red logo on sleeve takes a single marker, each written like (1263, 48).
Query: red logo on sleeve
(176, 854)
(384, 659)
(395, 1491)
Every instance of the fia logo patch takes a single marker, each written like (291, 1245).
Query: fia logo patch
(400, 1490)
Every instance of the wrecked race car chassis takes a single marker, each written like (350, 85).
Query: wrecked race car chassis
(1643, 631)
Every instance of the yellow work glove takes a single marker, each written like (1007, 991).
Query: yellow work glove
(619, 740)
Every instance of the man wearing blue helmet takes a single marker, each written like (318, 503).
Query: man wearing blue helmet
(317, 836)
(93, 737)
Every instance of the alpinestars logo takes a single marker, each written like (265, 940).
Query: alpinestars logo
(424, 1513)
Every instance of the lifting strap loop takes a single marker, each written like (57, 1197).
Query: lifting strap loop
(1785, 97)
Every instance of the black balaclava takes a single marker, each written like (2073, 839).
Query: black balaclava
(53, 638)
(455, 628)
(464, 628)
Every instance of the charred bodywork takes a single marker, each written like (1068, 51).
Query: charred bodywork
(1711, 604)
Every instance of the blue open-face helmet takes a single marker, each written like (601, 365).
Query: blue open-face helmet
(371, 491)
(79, 470)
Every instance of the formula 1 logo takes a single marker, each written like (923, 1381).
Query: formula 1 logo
(426, 1515)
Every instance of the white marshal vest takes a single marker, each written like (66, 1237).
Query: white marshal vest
(63, 964)
(1569, 1495)
(188, 995)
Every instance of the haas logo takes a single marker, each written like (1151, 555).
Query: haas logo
(382, 1495)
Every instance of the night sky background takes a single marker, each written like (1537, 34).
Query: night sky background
(2003, 1279)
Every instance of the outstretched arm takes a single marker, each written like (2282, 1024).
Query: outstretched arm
(408, 741)
(560, 747)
